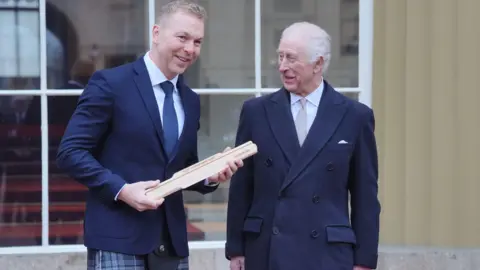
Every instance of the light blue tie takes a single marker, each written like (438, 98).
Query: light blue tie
(170, 123)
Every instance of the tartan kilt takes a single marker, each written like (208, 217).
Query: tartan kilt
(106, 260)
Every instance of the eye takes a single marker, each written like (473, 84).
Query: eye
(182, 38)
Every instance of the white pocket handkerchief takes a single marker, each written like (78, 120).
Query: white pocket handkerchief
(342, 142)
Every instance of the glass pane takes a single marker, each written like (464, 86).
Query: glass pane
(352, 95)
(21, 170)
(20, 45)
(227, 59)
(338, 18)
(218, 127)
(66, 196)
(86, 35)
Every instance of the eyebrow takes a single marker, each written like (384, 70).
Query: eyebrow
(187, 34)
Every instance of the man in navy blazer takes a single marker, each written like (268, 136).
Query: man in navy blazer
(289, 204)
(136, 125)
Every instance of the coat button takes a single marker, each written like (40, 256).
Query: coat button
(314, 234)
(268, 162)
(275, 230)
(316, 199)
(161, 248)
(330, 166)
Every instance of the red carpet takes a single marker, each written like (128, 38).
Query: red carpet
(21, 193)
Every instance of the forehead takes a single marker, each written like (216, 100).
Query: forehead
(292, 45)
(183, 22)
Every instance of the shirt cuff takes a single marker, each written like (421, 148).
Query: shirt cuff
(207, 183)
(116, 196)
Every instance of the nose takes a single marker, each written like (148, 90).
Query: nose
(189, 47)
(282, 66)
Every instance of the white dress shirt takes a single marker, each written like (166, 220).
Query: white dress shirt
(313, 101)
(156, 78)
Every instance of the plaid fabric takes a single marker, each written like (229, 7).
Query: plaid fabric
(105, 260)
(183, 265)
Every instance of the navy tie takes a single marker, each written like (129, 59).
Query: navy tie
(170, 123)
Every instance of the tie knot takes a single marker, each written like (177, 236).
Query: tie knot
(167, 87)
(303, 102)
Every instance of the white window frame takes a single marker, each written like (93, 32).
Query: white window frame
(364, 90)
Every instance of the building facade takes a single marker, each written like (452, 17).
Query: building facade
(413, 62)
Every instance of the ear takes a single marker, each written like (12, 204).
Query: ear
(155, 33)
(318, 65)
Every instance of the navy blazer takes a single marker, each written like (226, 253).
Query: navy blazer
(289, 205)
(115, 137)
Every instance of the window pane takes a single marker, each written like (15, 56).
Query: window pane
(352, 95)
(227, 59)
(21, 169)
(338, 18)
(66, 196)
(20, 45)
(86, 35)
(218, 127)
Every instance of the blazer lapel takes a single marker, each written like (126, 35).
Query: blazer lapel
(330, 112)
(281, 123)
(142, 80)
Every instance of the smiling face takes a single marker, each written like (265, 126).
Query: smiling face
(177, 41)
(299, 74)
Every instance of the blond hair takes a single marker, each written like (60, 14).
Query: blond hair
(186, 6)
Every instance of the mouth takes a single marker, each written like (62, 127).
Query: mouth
(183, 59)
(288, 78)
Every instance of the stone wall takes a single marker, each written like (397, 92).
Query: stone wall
(213, 259)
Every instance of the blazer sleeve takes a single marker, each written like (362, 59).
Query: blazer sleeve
(363, 185)
(200, 187)
(240, 192)
(84, 132)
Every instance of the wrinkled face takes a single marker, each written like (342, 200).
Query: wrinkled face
(177, 42)
(297, 71)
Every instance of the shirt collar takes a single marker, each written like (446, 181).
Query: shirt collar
(313, 98)
(155, 74)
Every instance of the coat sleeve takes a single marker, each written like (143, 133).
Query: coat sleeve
(240, 192)
(363, 185)
(83, 135)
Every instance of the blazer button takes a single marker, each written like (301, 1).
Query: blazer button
(314, 234)
(268, 162)
(330, 166)
(316, 199)
(275, 230)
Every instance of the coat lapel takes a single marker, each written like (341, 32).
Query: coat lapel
(281, 122)
(142, 80)
(330, 112)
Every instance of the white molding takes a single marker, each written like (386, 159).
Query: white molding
(258, 44)
(341, 89)
(201, 91)
(151, 20)
(44, 123)
(20, 92)
(365, 53)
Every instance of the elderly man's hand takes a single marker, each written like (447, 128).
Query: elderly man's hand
(227, 173)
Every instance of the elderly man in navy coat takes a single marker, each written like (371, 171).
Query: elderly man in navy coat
(289, 205)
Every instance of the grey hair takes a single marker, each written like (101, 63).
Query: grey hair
(317, 40)
(190, 7)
